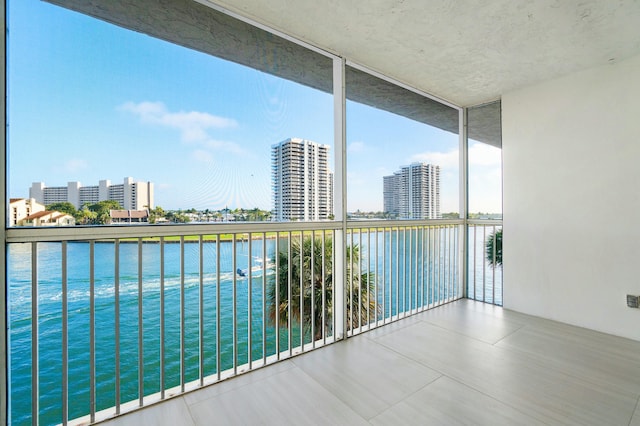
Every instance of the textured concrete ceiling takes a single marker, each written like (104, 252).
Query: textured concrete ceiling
(467, 52)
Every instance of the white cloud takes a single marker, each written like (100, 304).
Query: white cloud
(480, 154)
(194, 126)
(446, 160)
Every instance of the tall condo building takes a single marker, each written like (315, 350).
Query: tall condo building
(302, 182)
(130, 195)
(413, 192)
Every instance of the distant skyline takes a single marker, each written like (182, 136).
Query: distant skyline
(88, 101)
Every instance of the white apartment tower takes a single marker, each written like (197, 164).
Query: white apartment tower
(130, 195)
(413, 192)
(302, 182)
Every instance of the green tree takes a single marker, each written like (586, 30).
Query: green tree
(494, 245)
(359, 285)
(177, 217)
(64, 207)
(102, 211)
(86, 216)
(155, 214)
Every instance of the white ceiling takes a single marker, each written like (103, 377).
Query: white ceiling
(467, 52)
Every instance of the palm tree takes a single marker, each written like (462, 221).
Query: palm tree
(494, 245)
(312, 287)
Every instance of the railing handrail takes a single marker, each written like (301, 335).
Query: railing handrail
(83, 233)
(382, 223)
(108, 232)
(485, 222)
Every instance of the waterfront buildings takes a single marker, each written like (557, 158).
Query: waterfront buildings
(28, 212)
(129, 216)
(302, 182)
(413, 192)
(130, 195)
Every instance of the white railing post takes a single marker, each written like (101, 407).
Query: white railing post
(4, 347)
(463, 237)
(340, 205)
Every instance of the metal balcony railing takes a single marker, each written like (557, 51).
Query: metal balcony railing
(484, 281)
(104, 320)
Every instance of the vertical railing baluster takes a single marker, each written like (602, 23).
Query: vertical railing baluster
(429, 267)
(301, 286)
(422, 270)
(312, 273)
(92, 330)
(162, 323)
(289, 294)
(65, 337)
(447, 263)
(397, 233)
(218, 326)
(349, 283)
(182, 317)
(375, 272)
(475, 249)
(405, 282)
(324, 288)
(201, 308)
(432, 271)
(456, 261)
(451, 245)
(493, 270)
(484, 264)
(35, 370)
(384, 275)
(416, 262)
(444, 278)
(116, 288)
(234, 298)
(358, 279)
(413, 262)
(249, 302)
(432, 275)
(439, 263)
(276, 290)
(334, 317)
(140, 330)
(264, 298)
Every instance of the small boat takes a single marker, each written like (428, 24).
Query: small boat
(241, 273)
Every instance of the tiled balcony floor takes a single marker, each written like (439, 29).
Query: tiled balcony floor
(463, 363)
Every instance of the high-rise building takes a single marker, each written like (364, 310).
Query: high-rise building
(302, 182)
(130, 195)
(413, 192)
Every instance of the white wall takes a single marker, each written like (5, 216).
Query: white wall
(571, 151)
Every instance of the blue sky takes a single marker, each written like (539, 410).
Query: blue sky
(90, 101)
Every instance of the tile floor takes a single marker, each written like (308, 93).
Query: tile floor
(462, 363)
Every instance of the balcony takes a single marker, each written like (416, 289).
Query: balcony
(461, 361)
(419, 353)
(112, 319)
(465, 362)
